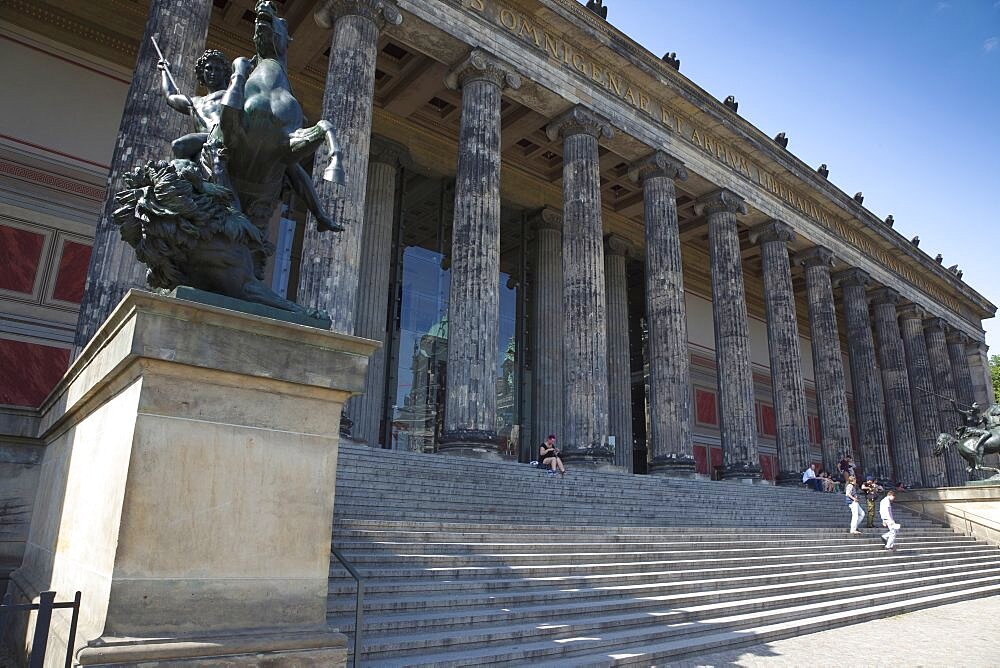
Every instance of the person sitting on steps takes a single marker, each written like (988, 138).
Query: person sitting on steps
(549, 456)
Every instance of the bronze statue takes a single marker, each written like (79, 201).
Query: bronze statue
(260, 130)
(974, 438)
(186, 231)
(201, 219)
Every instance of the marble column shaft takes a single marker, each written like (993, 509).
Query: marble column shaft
(585, 347)
(331, 261)
(616, 253)
(944, 385)
(788, 387)
(734, 373)
(925, 410)
(960, 370)
(896, 384)
(666, 318)
(828, 360)
(385, 159)
(474, 297)
(869, 399)
(547, 327)
(147, 127)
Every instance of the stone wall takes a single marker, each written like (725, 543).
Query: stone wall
(20, 459)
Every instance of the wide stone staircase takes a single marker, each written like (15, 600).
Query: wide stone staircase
(469, 562)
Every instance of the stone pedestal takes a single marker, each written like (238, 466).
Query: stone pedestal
(187, 488)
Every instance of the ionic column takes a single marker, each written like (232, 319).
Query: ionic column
(944, 386)
(666, 318)
(331, 261)
(732, 335)
(147, 127)
(386, 157)
(962, 374)
(474, 299)
(616, 253)
(868, 397)
(788, 387)
(547, 327)
(585, 346)
(896, 384)
(828, 361)
(925, 410)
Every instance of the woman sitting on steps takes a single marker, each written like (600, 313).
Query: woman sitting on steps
(549, 456)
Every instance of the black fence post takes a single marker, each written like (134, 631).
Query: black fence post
(71, 641)
(42, 623)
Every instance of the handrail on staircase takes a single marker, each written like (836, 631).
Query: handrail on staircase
(359, 607)
(970, 518)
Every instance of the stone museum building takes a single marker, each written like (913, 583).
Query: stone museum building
(549, 229)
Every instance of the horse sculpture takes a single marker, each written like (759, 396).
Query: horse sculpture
(971, 452)
(260, 141)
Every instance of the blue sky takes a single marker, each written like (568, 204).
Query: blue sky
(901, 98)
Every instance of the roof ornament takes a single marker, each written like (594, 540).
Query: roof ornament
(939, 258)
(915, 240)
(672, 60)
(597, 6)
(859, 198)
(823, 171)
(889, 220)
(731, 103)
(781, 140)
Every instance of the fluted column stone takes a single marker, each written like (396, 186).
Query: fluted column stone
(474, 299)
(958, 342)
(788, 386)
(925, 410)
(547, 326)
(147, 127)
(869, 399)
(585, 352)
(935, 330)
(666, 318)
(616, 253)
(331, 261)
(734, 374)
(828, 360)
(896, 385)
(386, 158)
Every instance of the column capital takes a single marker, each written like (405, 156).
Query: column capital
(912, 312)
(546, 218)
(657, 163)
(980, 346)
(959, 337)
(616, 245)
(885, 296)
(935, 324)
(379, 12)
(720, 201)
(851, 277)
(815, 256)
(576, 121)
(482, 66)
(772, 230)
(388, 152)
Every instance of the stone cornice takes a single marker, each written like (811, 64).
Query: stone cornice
(720, 201)
(657, 164)
(380, 12)
(482, 66)
(912, 312)
(815, 256)
(885, 296)
(579, 120)
(772, 230)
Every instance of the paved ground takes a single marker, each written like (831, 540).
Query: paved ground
(961, 634)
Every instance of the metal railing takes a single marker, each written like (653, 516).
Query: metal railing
(359, 607)
(971, 519)
(46, 604)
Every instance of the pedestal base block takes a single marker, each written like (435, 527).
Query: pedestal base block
(673, 467)
(590, 460)
(470, 443)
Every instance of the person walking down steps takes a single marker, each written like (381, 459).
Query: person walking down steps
(885, 512)
(851, 492)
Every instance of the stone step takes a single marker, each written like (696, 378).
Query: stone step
(654, 638)
(459, 613)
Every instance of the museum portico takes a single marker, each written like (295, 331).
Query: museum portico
(552, 230)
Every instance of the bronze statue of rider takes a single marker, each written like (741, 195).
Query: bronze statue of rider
(973, 423)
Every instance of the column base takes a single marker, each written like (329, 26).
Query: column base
(470, 443)
(788, 479)
(277, 649)
(740, 471)
(591, 459)
(673, 466)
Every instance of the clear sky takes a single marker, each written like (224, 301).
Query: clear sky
(901, 99)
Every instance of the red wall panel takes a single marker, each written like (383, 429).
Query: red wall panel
(22, 253)
(29, 371)
(72, 273)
